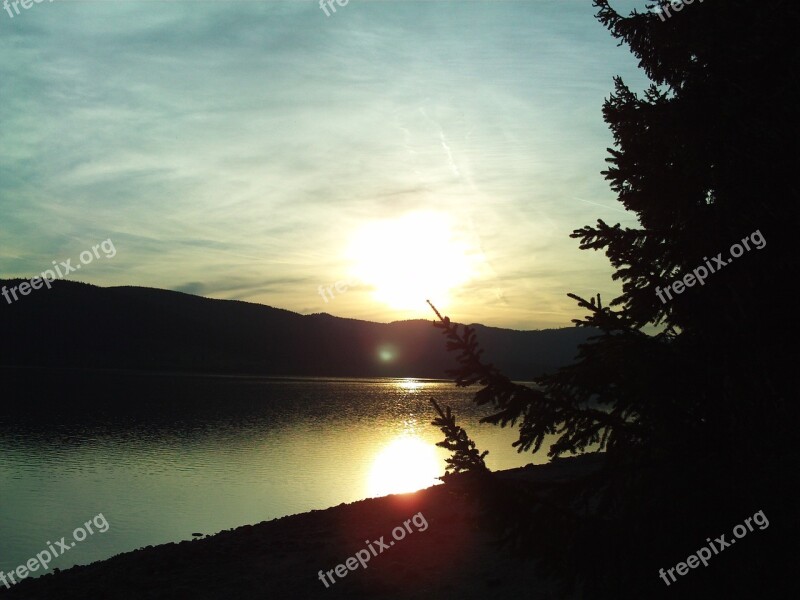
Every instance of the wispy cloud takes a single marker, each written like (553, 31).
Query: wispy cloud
(232, 149)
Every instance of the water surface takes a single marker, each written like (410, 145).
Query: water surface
(165, 456)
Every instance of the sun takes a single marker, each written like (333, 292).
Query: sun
(410, 259)
(406, 465)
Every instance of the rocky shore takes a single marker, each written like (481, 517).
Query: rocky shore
(422, 545)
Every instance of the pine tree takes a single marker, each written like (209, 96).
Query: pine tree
(690, 399)
(466, 457)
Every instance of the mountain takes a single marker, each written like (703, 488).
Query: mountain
(76, 325)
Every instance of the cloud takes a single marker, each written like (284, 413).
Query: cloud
(232, 149)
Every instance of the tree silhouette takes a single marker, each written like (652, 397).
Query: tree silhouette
(690, 399)
(466, 457)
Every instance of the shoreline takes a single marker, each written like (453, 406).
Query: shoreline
(450, 557)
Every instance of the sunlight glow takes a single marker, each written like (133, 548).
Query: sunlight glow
(406, 465)
(410, 385)
(411, 258)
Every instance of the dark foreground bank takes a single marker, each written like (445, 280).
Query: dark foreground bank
(421, 545)
(425, 545)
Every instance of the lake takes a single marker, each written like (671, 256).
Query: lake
(163, 456)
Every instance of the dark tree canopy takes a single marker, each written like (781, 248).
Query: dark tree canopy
(689, 397)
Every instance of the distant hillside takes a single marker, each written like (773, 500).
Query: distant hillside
(80, 325)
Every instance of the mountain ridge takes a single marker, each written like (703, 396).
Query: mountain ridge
(135, 327)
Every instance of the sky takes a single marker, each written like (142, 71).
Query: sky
(357, 163)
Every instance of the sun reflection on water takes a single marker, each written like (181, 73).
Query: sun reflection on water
(410, 385)
(406, 464)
